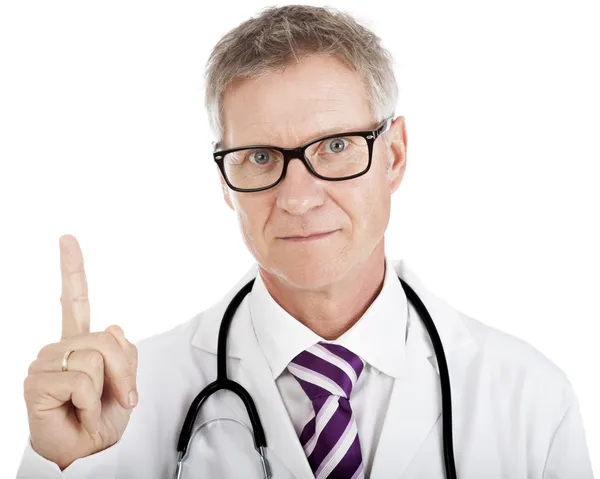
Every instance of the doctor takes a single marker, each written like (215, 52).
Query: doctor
(334, 355)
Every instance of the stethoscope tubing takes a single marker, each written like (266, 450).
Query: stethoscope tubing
(260, 441)
(444, 378)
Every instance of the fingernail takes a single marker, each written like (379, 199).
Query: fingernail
(133, 398)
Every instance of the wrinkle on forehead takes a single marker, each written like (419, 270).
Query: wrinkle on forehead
(295, 133)
(310, 99)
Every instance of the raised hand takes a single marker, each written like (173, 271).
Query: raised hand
(82, 410)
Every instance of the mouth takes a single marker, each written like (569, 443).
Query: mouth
(312, 237)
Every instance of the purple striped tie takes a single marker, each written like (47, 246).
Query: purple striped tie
(327, 373)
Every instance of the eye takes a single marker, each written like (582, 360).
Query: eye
(260, 157)
(335, 145)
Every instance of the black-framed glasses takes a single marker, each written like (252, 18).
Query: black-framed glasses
(335, 157)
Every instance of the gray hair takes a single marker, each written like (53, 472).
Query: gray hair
(280, 35)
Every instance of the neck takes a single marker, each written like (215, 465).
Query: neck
(332, 310)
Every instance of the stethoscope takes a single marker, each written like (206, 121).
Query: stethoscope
(260, 442)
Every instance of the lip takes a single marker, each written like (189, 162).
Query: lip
(313, 237)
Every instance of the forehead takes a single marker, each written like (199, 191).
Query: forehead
(317, 96)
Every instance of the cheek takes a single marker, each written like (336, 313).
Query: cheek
(372, 203)
(252, 216)
(375, 210)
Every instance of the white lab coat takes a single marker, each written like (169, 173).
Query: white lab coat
(514, 412)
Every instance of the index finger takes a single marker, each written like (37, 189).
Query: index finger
(74, 297)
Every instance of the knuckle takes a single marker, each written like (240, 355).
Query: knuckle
(116, 329)
(80, 381)
(81, 298)
(106, 339)
(30, 387)
(46, 350)
(117, 360)
(32, 367)
(95, 362)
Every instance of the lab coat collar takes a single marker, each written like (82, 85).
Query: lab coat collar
(452, 330)
(207, 332)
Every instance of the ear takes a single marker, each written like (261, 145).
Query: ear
(225, 189)
(398, 142)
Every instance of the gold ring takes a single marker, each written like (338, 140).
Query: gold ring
(66, 359)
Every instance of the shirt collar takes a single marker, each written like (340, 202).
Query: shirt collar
(378, 337)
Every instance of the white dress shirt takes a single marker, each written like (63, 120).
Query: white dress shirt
(378, 337)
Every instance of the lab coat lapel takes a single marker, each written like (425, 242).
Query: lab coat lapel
(412, 412)
(415, 405)
(282, 441)
(250, 368)
(414, 408)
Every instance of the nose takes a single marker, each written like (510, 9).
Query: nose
(300, 190)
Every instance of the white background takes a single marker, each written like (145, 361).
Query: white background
(103, 135)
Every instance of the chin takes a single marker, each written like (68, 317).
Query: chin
(304, 271)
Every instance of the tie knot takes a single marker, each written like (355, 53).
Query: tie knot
(325, 369)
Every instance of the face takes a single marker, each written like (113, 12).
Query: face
(316, 97)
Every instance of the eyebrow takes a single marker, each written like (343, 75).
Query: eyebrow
(341, 128)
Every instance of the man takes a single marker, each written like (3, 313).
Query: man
(327, 344)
